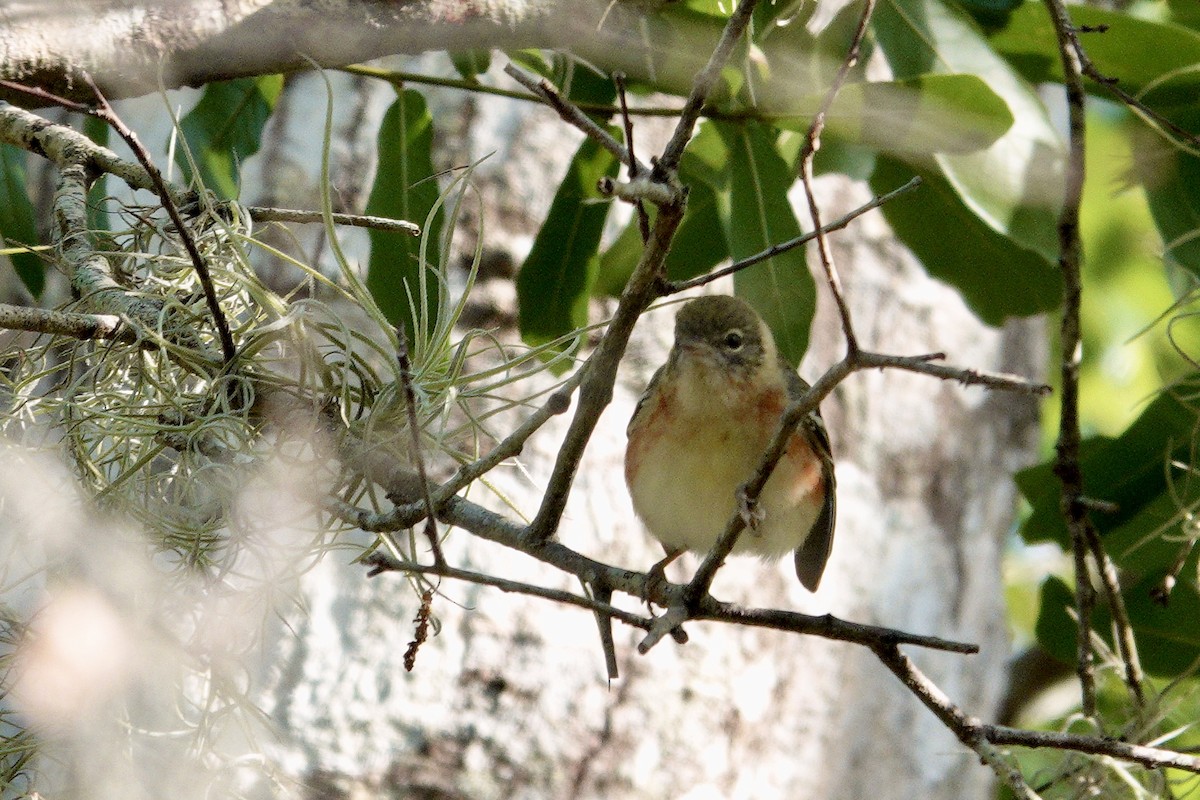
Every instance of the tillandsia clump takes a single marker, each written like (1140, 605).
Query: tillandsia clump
(161, 429)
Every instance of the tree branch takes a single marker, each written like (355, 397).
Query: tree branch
(812, 143)
(1066, 465)
(63, 323)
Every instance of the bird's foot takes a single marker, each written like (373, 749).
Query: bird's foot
(749, 509)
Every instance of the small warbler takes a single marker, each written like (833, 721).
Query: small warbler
(700, 430)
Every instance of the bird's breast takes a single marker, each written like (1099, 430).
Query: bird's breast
(685, 463)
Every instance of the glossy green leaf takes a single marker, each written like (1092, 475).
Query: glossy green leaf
(1185, 13)
(1167, 638)
(997, 277)
(471, 63)
(618, 261)
(922, 115)
(1171, 178)
(556, 279)
(1155, 61)
(17, 225)
(225, 128)
(405, 188)
(700, 243)
(1131, 471)
(760, 215)
(1015, 185)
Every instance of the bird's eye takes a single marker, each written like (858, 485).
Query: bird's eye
(733, 340)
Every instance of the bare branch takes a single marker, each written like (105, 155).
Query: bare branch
(63, 323)
(968, 729)
(782, 247)
(1066, 465)
(571, 113)
(380, 561)
(812, 143)
(267, 214)
(702, 86)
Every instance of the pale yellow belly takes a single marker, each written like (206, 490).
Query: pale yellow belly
(686, 499)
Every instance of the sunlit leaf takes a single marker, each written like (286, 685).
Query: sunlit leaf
(998, 278)
(225, 128)
(1155, 61)
(760, 215)
(1015, 185)
(1171, 178)
(926, 114)
(556, 279)
(404, 188)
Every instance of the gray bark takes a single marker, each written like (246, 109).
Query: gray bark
(129, 46)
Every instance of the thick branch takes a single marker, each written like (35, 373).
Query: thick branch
(63, 323)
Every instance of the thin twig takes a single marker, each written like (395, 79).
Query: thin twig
(776, 249)
(382, 562)
(643, 219)
(1126, 643)
(106, 113)
(812, 143)
(414, 429)
(268, 214)
(1112, 85)
(1066, 465)
(702, 87)
(570, 113)
(968, 729)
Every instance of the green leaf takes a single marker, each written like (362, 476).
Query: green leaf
(470, 63)
(1185, 12)
(1055, 630)
(699, 243)
(1168, 639)
(759, 215)
(617, 263)
(225, 128)
(1171, 178)
(1155, 61)
(997, 277)
(556, 279)
(922, 115)
(1015, 185)
(1130, 471)
(405, 188)
(17, 224)
(98, 131)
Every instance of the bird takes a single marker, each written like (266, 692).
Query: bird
(700, 430)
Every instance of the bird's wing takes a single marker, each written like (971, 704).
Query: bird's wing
(641, 403)
(814, 553)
